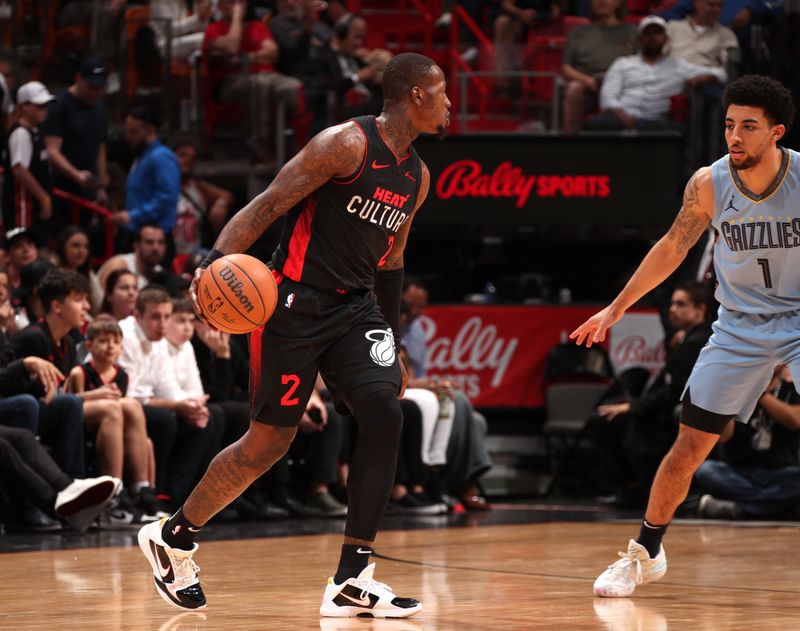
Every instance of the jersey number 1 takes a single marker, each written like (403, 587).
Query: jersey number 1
(764, 263)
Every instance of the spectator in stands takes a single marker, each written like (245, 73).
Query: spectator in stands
(7, 88)
(178, 423)
(29, 475)
(467, 457)
(699, 38)
(75, 134)
(203, 207)
(154, 181)
(637, 88)
(149, 252)
(737, 15)
(298, 35)
(237, 34)
(759, 473)
(632, 436)
(119, 300)
(22, 248)
(72, 250)
(102, 379)
(29, 308)
(27, 184)
(186, 28)
(511, 27)
(63, 295)
(353, 73)
(590, 51)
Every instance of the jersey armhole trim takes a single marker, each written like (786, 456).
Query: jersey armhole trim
(358, 173)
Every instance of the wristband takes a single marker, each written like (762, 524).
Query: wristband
(210, 258)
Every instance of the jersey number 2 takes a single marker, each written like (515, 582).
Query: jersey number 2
(287, 400)
(386, 256)
(764, 263)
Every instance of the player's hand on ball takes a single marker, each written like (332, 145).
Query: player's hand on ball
(198, 310)
(593, 331)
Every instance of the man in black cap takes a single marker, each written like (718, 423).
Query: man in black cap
(23, 249)
(75, 136)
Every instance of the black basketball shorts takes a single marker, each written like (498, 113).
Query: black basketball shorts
(343, 337)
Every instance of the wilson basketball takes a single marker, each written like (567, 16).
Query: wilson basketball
(237, 293)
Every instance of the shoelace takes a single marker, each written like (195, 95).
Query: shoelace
(186, 571)
(624, 563)
(371, 587)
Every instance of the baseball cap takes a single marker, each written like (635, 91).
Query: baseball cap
(651, 20)
(33, 92)
(17, 233)
(94, 70)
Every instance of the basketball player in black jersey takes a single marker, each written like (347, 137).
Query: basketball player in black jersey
(351, 195)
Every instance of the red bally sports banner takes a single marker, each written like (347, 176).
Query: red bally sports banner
(497, 354)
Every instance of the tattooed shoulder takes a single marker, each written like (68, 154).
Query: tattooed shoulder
(339, 149)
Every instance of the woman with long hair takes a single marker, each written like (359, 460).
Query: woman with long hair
(72, 249)
(122, 289)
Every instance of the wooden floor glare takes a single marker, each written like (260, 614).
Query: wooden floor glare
(536, 576)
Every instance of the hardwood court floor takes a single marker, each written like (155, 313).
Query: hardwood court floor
(535, 576)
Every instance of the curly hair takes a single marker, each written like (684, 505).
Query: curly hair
(758, 91)
(58, 283)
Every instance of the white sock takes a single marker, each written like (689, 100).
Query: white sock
(138, 486)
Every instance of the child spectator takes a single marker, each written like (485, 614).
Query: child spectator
(102, 379)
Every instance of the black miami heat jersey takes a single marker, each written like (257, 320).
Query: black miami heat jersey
(339, 235)
(93, 381)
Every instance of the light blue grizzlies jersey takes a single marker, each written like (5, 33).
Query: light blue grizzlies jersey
(757, 252)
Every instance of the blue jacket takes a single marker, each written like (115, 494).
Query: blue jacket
(153, 188)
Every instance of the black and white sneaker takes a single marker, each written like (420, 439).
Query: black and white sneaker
(364, 597)
(174, 571)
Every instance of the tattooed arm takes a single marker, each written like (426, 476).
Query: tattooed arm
(662, 259)
(335, 152)
(395, 258)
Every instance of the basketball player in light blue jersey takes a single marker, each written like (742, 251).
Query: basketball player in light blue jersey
(752, 199)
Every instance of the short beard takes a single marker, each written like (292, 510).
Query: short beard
(747, 163)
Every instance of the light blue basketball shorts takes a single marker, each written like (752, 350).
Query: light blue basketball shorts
(738, 361)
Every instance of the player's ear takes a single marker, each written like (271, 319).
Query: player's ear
(778, 132)
(416, 95)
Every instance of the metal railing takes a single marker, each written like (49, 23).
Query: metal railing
(78, 204)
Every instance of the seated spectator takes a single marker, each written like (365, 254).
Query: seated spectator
(146, 260)
(63, 295)
(758, 476)
(738, 15)
(153, 185)
(203, 207)
(637, 88)
(72, 250)
(511, 29)
(28, 475)
(699, 38)
(22, 248)
(298, 34)
(27, 182)
(186, 28)
(179, 424)
(101, 379)
(119, 300)
(238, 33)
(351, 72)
(633, 436)
(467, 457)
(590, 51)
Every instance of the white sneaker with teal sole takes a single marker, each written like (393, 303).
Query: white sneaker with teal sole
(634, 568)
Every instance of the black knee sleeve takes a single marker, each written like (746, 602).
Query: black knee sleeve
(374, 461)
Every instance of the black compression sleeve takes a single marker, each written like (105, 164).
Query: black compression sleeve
(388, 292)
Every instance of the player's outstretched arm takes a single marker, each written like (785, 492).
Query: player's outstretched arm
(662, 259)
(334, 152)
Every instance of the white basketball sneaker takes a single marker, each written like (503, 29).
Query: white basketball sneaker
(634, 568)
(364, 597)
(174, 571)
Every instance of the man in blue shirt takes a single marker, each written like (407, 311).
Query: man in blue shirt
(154, 181)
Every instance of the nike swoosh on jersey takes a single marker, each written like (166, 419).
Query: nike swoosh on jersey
(375, 165)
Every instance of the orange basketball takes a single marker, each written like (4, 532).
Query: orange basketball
(237, 293)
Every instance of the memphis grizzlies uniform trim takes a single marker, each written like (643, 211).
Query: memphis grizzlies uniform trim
(757, 261)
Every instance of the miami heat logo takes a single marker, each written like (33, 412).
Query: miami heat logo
(382, 349)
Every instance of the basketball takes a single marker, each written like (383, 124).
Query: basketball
(237, 293)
